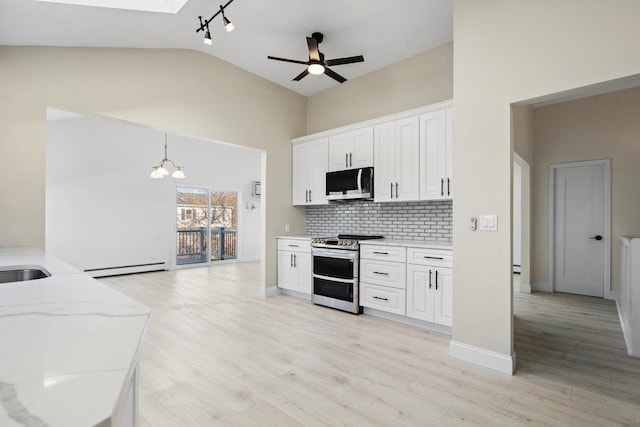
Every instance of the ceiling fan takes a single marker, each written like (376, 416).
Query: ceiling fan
(317, 64)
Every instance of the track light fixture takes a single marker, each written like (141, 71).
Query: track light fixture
(204, 25)
(160, 171)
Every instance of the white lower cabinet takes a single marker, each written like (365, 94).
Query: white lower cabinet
(416, 282)
(430, 294)
(294, 265)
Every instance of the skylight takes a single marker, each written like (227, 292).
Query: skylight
(162, 6)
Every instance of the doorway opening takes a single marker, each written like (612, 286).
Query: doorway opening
(206, 225)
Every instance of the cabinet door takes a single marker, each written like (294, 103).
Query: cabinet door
(420, 297)
(384, 163)
(339, 149)
(443, 313)
(432, 155)
(407, 159)
(449, 152)
(286, 279)
(361, 154)
(300, 176)
(302, 267)
(318, 165)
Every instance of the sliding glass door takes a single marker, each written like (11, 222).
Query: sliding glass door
(206, 225)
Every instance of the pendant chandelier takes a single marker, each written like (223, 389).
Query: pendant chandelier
(160, 171)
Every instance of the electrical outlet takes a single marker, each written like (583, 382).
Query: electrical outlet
(488, 223)
(287, 228)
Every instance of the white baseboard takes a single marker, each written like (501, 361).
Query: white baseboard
(487, 358)
(525, 288)
(541, 287)
(250, 258)
(296, 294)
(269, 292)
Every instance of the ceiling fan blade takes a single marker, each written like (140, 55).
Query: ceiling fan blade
(301, 76)
(342, 61)
(288, 60)
(334, 75)
(314, 54)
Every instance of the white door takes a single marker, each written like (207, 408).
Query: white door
(579, 228)
(420, 292)
(302, 265)
(286, 276)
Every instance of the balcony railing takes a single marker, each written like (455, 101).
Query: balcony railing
(192, 245)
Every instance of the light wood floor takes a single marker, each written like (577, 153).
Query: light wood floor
(218, 354)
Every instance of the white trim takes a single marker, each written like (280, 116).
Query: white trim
(607, 220)
(427, 326)
(376, 121)
(489, 359)
(541, 287)
(295, 294)
(269, 292)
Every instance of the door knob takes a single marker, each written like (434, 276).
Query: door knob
(596, 237)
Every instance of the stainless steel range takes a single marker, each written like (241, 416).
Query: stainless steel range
(335, 271)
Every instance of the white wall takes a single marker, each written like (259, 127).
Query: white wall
(103, 210)
(185, 92)
(507, 52)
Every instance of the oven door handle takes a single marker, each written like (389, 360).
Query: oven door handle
(335, 253)
(335, 279)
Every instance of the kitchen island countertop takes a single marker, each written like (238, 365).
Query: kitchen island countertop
(69, 346)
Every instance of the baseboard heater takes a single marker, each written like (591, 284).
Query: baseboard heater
(126, 269)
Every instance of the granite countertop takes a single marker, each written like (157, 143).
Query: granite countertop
(430, 244)
(69, 345)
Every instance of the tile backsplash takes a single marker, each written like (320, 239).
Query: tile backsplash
(406, 221)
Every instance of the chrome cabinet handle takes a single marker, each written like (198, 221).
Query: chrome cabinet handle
(442, 186)
(291, 260)
(391, 189)
(429, 279)
(436, 280)
(380, 298)
(381, 253)
(380, 273)
(396, 190)
(306, 196)
(433, 257)
(350, 159)
(309, 196)
(448, 187)
(295, 264)
(293, 246)
(346, 160)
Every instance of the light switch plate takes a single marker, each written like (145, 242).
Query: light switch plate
(488, 223)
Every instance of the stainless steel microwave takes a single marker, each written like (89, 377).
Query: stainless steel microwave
(351, 184)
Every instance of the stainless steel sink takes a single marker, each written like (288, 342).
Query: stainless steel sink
(22, 273)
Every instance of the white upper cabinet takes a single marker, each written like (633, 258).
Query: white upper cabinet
(397, 160)
(436, 155)
(352, 149)
(310, 161)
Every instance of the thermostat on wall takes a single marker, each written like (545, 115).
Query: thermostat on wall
(256, 191)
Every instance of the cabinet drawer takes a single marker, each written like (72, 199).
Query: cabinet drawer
(381, 298)
(383, 273)
(433, 257)
(383, 253)
(294, 245)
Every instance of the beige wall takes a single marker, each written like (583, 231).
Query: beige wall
(421, 80)
(509, 51)
(598, 127)
(184, 92)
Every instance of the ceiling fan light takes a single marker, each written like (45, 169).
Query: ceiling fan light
(207, 38)
(178, 173)
(228, 25)
(316, 69)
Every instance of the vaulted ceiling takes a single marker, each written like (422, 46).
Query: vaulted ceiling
(383, 31)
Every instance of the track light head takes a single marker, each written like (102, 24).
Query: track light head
(207, 37)
(227, 24)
